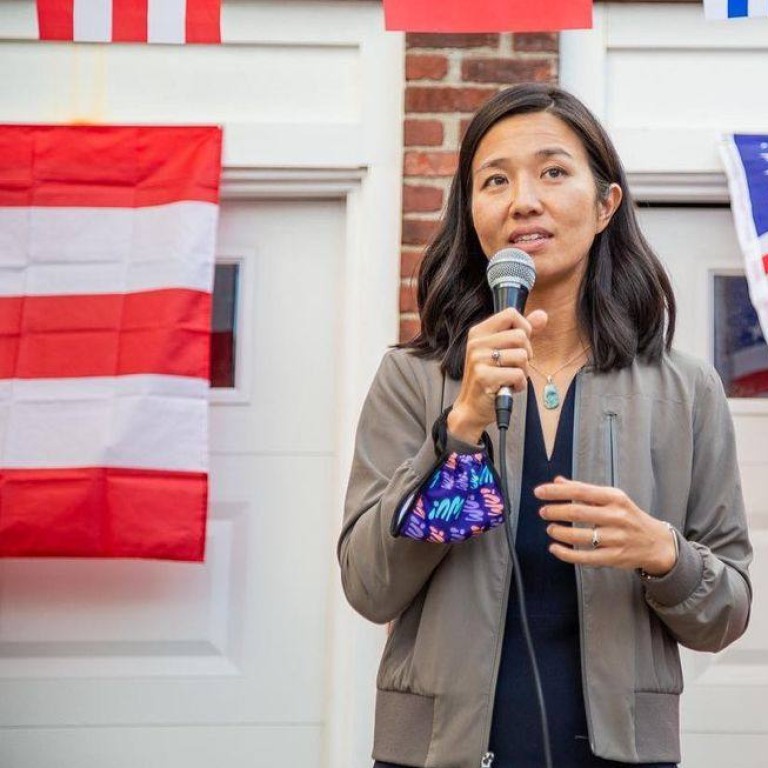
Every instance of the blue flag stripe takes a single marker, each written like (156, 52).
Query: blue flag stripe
(738, 8)
(753, 153)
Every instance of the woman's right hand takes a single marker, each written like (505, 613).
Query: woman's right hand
(510, 333)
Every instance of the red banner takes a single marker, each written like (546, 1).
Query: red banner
(487, 15)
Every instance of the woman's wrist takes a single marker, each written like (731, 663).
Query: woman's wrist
(666, 558)
(462, 427)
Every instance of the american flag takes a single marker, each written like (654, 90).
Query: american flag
(107, 239)
(746, 162)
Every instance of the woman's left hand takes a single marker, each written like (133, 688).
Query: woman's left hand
(619, 533)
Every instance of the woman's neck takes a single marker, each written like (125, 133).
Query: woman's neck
(562, 337)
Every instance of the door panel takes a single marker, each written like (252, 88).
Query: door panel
(199, 746)
(723, 704)
(171, 664)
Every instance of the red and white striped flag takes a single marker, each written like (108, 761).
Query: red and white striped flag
(107, 240)
(130, 21)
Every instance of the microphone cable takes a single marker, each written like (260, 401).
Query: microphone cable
(511, 274)
(520, 592)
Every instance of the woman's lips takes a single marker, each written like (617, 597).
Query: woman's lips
(532, 245)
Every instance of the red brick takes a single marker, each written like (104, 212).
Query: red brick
(408, 298)
(463, 125)
(425, 67)
(417, 199)
(427, 133)
(507, 70)
(433, 40)
(445, 99)
(430, 163)
(536, 42)
(409, 328)
(410, 261)
(418, 231)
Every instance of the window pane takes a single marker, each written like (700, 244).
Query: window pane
(223, 334)
(741, 354)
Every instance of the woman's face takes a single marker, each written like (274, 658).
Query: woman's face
(532, 188)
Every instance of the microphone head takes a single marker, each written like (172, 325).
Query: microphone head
(511, 266)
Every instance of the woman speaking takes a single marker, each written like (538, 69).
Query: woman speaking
(624, 493)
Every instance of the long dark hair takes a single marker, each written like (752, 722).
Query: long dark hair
(626, 303)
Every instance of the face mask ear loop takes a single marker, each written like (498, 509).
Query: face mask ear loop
(442, 395)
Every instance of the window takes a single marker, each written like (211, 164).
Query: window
(223, 331)
(740, 351)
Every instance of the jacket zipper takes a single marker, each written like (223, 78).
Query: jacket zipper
(486, 761)
(579, 581)
(610, 448)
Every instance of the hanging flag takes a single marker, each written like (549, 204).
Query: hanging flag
(746, 162)
(107, 236)
(734, 9)
(487, 15)
(130, 21)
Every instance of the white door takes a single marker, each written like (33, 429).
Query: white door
(723, 718)
(127, 664)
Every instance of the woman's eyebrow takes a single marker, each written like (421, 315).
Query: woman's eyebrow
(550, 151)
(493, 162)
(501, 162)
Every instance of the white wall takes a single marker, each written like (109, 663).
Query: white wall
(310, 98)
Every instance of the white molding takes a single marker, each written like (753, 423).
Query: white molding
(677, 187)
(251, 183)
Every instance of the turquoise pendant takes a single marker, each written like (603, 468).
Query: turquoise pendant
(551, 395)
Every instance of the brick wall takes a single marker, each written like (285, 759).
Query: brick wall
(447, 78)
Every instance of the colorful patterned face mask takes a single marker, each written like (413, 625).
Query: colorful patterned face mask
(459, 498)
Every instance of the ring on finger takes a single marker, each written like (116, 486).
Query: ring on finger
(595, 538)
(496, 357)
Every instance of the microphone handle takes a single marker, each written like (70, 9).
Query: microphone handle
(504, 296)
(510, 295)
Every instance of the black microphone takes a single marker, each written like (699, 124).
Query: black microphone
(511, 275)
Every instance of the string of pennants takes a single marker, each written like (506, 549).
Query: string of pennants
(200, 21)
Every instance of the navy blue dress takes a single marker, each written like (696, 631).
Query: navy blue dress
(551, 598)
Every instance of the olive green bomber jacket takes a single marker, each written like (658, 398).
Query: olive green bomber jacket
(661, 432)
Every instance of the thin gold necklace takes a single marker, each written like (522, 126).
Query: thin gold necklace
(550, 393)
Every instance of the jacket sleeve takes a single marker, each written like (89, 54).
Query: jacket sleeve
(381, 573)
(705, 599)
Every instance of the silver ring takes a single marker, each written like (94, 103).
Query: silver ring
(595, 538)
(496, 357)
